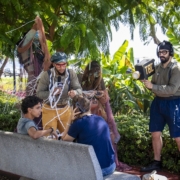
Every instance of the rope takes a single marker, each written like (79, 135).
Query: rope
(19, 27)
(58, 115)
(52, 98)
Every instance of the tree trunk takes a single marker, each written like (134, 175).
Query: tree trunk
(3, 65)
(153, 34)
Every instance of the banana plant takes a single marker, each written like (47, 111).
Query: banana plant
(127, 95)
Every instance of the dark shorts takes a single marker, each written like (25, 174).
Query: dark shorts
(165, 111)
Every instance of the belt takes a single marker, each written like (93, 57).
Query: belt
(168, 98)
(61, 106)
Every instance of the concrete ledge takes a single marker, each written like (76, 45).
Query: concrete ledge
(45, 159)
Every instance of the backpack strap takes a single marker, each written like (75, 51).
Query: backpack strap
(69, 80)
(49, 73)
(169, 74)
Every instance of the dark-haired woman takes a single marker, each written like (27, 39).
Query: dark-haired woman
(94, 88)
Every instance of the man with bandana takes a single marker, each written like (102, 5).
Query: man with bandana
(57, 87)
(165, 108)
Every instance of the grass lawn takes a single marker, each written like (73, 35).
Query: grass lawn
(7, 83)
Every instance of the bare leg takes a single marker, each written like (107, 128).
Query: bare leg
(157, 145)
(178, 142)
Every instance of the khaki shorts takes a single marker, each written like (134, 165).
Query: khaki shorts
(55, 118)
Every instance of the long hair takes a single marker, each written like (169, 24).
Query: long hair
(89, 81)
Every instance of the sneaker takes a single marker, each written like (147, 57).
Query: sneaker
(155, 165)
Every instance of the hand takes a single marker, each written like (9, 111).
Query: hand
(54, 134)
(147, 84)
(57, 91)
(72, 93)
(34, 26)
(74, 113)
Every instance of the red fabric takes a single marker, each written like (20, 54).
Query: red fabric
(115, 137)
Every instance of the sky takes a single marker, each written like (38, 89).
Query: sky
(140, 50)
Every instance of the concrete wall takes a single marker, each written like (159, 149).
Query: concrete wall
(45, 159)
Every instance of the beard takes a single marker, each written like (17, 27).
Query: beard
(164, 59)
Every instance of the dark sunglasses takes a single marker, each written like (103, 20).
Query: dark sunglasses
(164, 52)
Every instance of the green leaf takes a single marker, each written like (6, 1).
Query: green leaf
(83, 29)
(120, 52)
(77, 43)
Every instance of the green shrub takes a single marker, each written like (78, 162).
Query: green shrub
(135, 147)
(8, 122)
(9, 112)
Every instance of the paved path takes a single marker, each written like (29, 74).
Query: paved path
(135, 171)
(170, 176)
